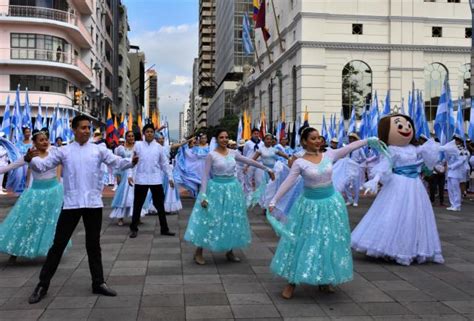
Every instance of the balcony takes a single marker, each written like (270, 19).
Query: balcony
(47, 16)
(83, 6)
(24, 57)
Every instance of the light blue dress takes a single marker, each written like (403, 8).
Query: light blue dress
(23, 148)
(223, 225)
(122, 204)
(29, 229)
(317, 246)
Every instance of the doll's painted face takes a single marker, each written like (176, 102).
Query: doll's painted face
(401, 131)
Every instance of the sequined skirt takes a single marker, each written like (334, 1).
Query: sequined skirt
(28, 230)
(223, 225)
(321, 253)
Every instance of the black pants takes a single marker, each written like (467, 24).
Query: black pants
(67, 222)
(436, 182)
(158, 197)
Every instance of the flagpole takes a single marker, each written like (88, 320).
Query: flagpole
(277, 26)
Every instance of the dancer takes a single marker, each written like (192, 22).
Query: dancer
(253, 176)
(219, 220)
(122, 204)
(456, 174)
(28, 230)
(358, 158)
(149, 176)
(400, 224)
(315, 249)
(23, 147)
(284, 148)
(81, 162)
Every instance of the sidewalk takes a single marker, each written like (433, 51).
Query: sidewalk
(157, 279)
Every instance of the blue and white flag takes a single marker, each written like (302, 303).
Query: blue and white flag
(402, 108)
(246, 36)
(411, 104)
(444, 121)
(6, 122)
(470, 131)
(45, 118)
(419, 112)
(386, 106)
(26, 117)
(324, 129)
(341, 131)
(363, 124)
(374, 116)
(39, 117)
(460, 121)
(16, 118)
(352, 122)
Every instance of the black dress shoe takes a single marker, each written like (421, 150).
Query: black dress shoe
(133, 234)
(38, 294)
(104, 290)
(168, 233)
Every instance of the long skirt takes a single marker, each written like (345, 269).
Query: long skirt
(320, 252)
(122, 204)
(28, 230)
(223, 225)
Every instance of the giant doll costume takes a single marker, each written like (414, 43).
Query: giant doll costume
(400, 224)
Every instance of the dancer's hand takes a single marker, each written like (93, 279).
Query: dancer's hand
(130, 181)
(30, 154)
(171, 184)
(245, 170)
(271, 208)
(135, 159)
(272, 175)
(204, 204)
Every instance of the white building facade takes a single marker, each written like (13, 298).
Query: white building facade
(336, 53)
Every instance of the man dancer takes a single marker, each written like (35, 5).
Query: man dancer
(456, 172)
(81, 162)
(149, 176)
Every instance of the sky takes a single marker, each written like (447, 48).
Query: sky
(167, 31)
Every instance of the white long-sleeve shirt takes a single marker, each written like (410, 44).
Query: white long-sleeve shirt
(152, 163)
(82, 177)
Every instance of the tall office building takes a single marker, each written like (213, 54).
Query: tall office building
(151, 92)
(137, 80)
(207, 30)
(230, 56)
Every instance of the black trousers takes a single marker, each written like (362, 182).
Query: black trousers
(436, 183)
(67, 222)
(158, 197)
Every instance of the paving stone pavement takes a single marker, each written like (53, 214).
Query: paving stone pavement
(157, 279)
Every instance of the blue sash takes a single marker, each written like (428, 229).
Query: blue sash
(411, 171)
(319, 192)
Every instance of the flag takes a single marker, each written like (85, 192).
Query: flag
(246, 36)
(239, 130)
(444, 121)
(109, 127)
(352, 122)
(460, 120)
(363, 124)
(39, 117)
(426, 127)
(386, 106)
(130, 122)
(418, 120)
(470, 131)
(154, 119)
(139, 121)
(6, 124)
(297, 132)
(256, 6)
(402, 108)
(340, 130)
(52, 134)
(26, 116)
(45, 118)
(260, 22)
(122, 129)
(263, 125)
(411, 105)
(324, 130)
(306, 117)
(16, 118)
(374, 117)
(282, 129)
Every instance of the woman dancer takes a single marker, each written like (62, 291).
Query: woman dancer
(28, 231)
(219, 220)
(284, 148)
(400, 224)
(23, 147)
(316, 246)
(122, 204)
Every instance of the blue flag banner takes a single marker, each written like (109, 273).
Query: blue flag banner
(324, 129)
(386, 106)
(246, 35)
(470, 131)
(460, 120)
(352, 122)
(6, 122)
(444, 121)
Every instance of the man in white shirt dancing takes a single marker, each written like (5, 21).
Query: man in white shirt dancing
(149, 176)
(81, 161)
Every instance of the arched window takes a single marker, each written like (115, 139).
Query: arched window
(356, 87)
(465, 87)
(435, 74)
(294, 87)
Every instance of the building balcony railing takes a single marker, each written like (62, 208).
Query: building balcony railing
(48, 14)
(55, 58)
(84, 6)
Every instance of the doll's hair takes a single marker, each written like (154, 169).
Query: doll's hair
(383, 129)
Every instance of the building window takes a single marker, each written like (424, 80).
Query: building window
(39, 47)
(468, 33)
(454, 1)
(38, 83)
(430, 0)
(356, 88)
(435, 74)
(357, 29)
(436, 32)
(293, 92)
